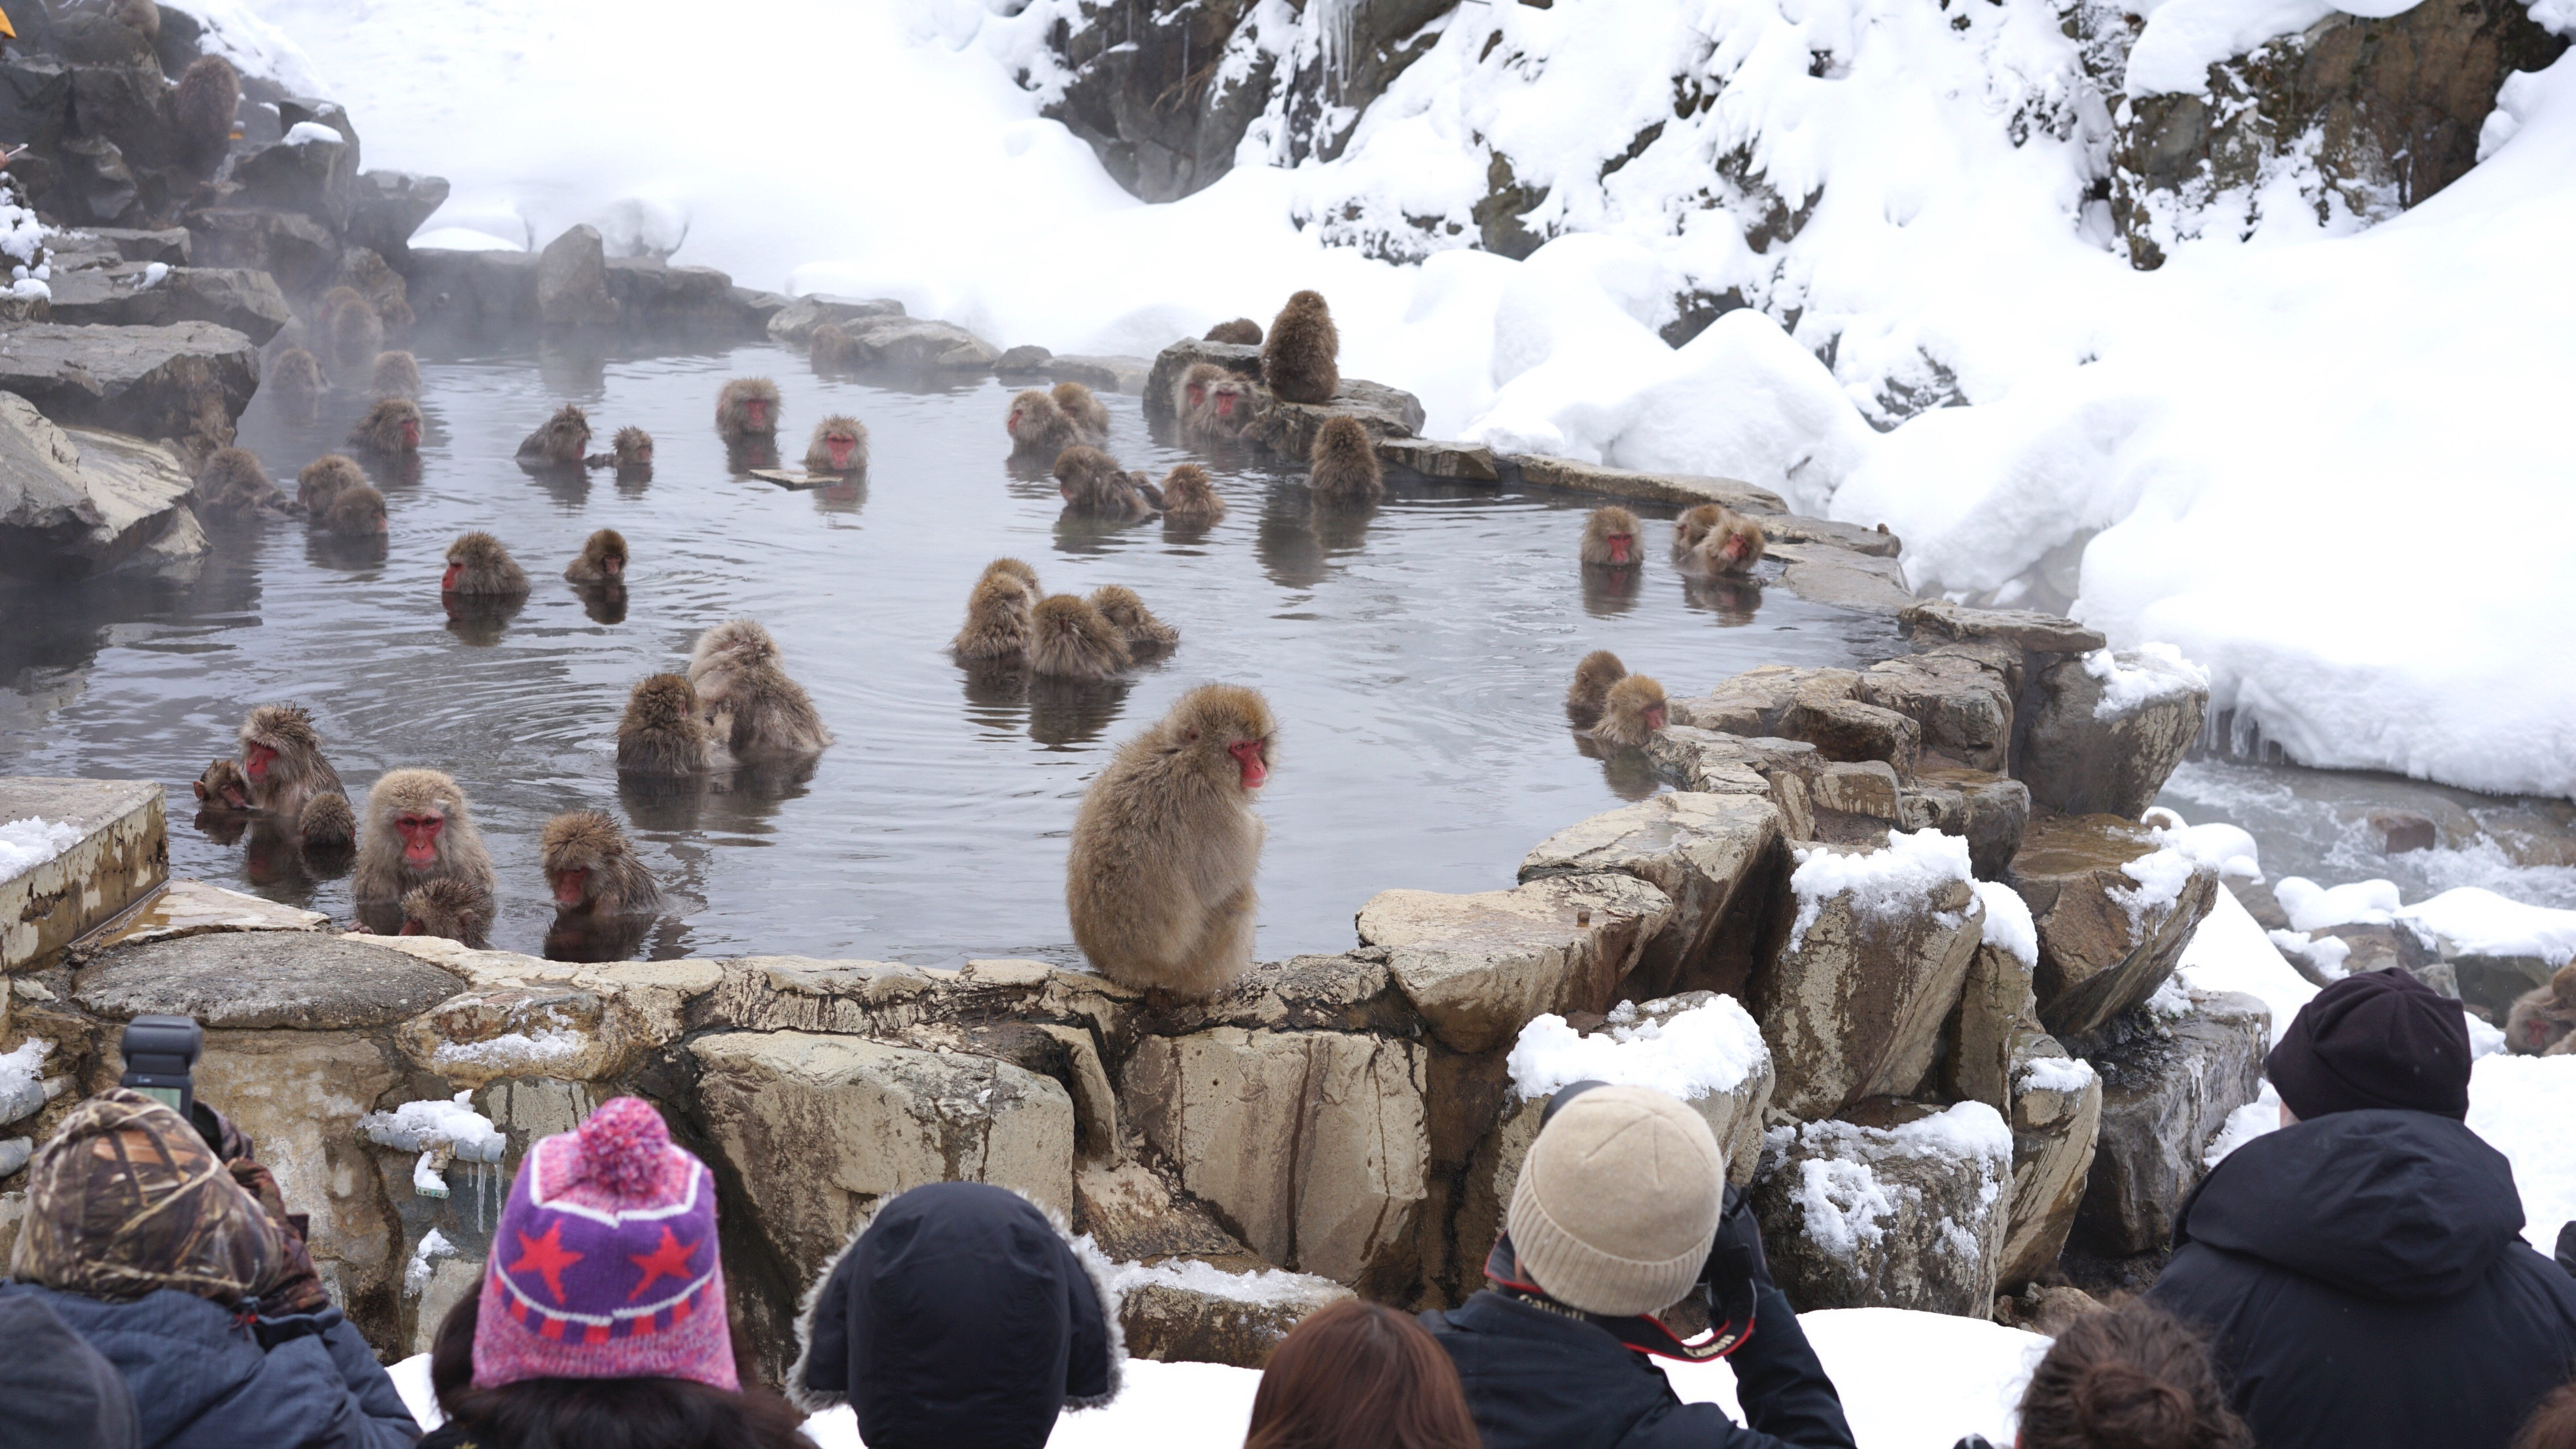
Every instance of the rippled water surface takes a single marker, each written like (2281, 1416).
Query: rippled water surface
(1415, 659)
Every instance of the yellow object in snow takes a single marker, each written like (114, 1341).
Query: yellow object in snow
(7, 32)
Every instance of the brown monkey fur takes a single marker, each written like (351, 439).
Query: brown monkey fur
(396, 314)
(324, 479)
(1345, 464)
(1089, 415)
(1298, 362)
(223, 788)
(1070, 639)
(631, 452)
(1631, 710)
(354, 512)
(2543, 1018)
(559, 440)
(282, 760)
(456, 909)
(662, 732)
(233, 482)
(1188, 496)
(591, 870)
(397, 375)
(998, 618)
(840, 446)
(418, 831)
(142, 16)
(1732, 546)
(1093, 483)
(1593, 677)
(1017, 569)
(747, 409)
(356, 333)
(1610, 538)
(602, 559)
(327, 824)
(295, 380)
(208, 96)
(832, 349)
(1242, 331)
(1135, 623)
(753, 705)
(478, 564)
(1159, 884)
(391, 426)
(1230, 406)
(1693, 526)
(1038, 426)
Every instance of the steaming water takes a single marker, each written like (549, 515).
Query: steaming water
(1415, 660)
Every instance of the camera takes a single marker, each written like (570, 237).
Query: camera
(160, 1055)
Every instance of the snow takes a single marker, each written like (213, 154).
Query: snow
(464, 239)
(1266, 1286)
(1889, 882)
(2325, 955)
(2009, 923)
(303, 132)
(2228, 849)
(1843, 1200)
(2469, 920)
(2521, 1106)
(2246, 1123)
(512, 1051)
(235, 31)
(411, 1380)
(433, 1246)
(436, 1123)
(2312, 907)
(1705, 1051)
(2231, 952)
(2132, 678)
(2161, 876)
(2055, 1074)
(26, 844)
(22, 1079)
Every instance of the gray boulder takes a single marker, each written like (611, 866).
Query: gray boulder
(185, 382)
(2166, 1090)
(794, 323)
(1702, 852)
(1241, 359)
(121, 294)
(572, 282)
(1289, 429)
(2107, 938)
(1903, 1206)
(75, 500)
(299, 252)
(2108, 730)
(1478, 966)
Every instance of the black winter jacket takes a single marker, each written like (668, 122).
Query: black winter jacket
(1536, 1380)
(2364, 1282)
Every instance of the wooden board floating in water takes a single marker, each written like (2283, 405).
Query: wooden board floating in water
(799, 481)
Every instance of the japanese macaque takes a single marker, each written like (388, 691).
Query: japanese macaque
(1732, 545)
(591, 870)
(295, 379)
(630, 453)
(558, 442)
(396, 314)
(324, 479)
(1135, 623)
(1593, 677)
(1070, 639)
(1298, 362)
(1093, 483)
(233, 483)
(749, 701)
(478, 564)
(1018, 569)
(356, 334)
(354, 513)
(141, 16)
(205, 103)
(391, 426)
(2543, 1019)
(1038, 426)
(289, 780)
(840, 446)
(1088, 414)
(418, 831)
(1345, 464)
(1159, 883)
(1631, 710)
(998, 618)
(1242, 331)
(832, 349)
(456, 909)
(662, 731)
(747, 410)
(223, 788)
(397, 375)
(1189, 498)
(602, 559)
(1610, 538)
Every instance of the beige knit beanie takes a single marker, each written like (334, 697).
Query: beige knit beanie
(1618, 1202)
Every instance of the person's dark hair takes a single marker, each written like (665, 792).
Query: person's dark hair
(2128, 1377)
(2553, 1424)
(604, 1413)
(1360, 1376)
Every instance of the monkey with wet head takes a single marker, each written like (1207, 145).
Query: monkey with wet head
(2543, 1020)
(397, 375)
(1094, 485)
(233, 484)
(1593, 677)
(591, 870)
(222, 787)
(1299, 361)
(747, 411)
(1610, 539)
(1070, 639)
(602, 559)
(289, 780)
(1631, 710)
(1018, 569)
(663, 731)
(354, 513)
(355, 333)
(748, 698)
(295, 380)
(1159, 884)
(1344, 463)
(840, 446)
(1038, 427)
(418, 830)
(391, 427)
(456, 909)
(559, 441)
(1088, 414)
(324, 479)
(1732, 545)
(1126, 613)
(1189, 498)
(1242, 332)
(999, 619)
(630, 453)
(204, 104)
(478, 564)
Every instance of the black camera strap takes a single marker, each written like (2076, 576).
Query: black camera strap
(1731, 1321)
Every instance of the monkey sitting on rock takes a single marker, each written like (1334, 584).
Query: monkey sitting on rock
(2542, 1022)
(1300, 358)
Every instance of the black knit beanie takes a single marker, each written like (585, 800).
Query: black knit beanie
(2376, 1039)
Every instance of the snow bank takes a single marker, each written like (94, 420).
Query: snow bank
(1890, 882)
(2151, 672)
(26, 844)
(1264, 1286)
(234, 30)
(440, 1131)
(1702, 1052)
(2312, 907)
(2228, 849)
(2231, 952)
(2008, 922)
(2521, 1106)
(2468, 920)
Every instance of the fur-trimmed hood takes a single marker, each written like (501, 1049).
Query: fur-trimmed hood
(962, 1313)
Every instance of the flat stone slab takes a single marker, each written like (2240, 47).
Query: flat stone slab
(1188, 1310)
(1289, 428)
(2047, 633)
(1478, 966)
(124, 851)
(151, 382)
(1100, 374)
(1828, 575)
(76, 500)
(1796, 528)
(194, 908)
(1464, 462)
(794, 323)
(265, 979)
(123, 294)
(1682, 488)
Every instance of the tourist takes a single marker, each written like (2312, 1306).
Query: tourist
(1359, 1376)
(2361, 1272)
(601, 1323)
(2554, 1426)
(62, 1394)
(960, 1316)
(1620, 1213)
(2130, 1377)
(139, 1239)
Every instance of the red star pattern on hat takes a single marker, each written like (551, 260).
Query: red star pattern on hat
(549, 1257)
(670, 1260)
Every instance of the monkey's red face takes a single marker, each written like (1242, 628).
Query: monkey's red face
(447, 580)
(1225, 405)
(755, 412)
(1247, 754)
(614, 565)
(568, 885)
(1012, 426)
(411, 433)
(1734, 549)
(1655, 715)
(1066, 489)
(1622, 547)
(412, 927)
(256, 765)
(420, 835)
(1198, 394)
(839, 445)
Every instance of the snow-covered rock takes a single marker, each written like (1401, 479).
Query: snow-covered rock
(1905, 1210)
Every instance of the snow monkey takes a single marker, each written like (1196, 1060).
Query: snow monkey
(295, 380)
(1135, 623)
(392, 426)
(592, 871)
(1242, 331)
(1593, 677)
(840, 446)
(324, 479)
(353, 512)
(1018, 569)
(602, 559)
(233, 482)
(143, 16)
(397, 375)
(747, 410)
(1610, 538)
(289, 779)
(1732, 544)
(559, 441)
(662, 732)
(1344, 464)
(1631, 710)
(223, 788)
(456, 909)
(998, 618)
(418, 831)
(1038, 426)
(1189, 498)
(478, 564)
(1093, 483)
(208, 96)
(1070, 639)
(630, 454)
(354, 331)
(1159, 883)
(1089, 416)
(832, 349)
(2543, 1019)
(1298, 361)
(748, 699)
